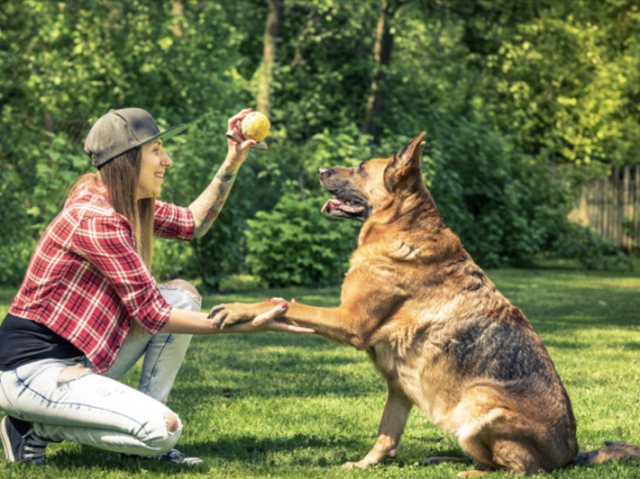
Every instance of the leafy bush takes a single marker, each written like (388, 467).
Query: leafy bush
(240, 283)
(295, 244)
(31, 195)
(509, 90)
(587, 246)
(505, 206)
(172, 260)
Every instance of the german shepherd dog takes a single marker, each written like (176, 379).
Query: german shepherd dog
(438, 330)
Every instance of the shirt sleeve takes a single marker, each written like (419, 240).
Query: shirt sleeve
(107, 243)
(174, 222)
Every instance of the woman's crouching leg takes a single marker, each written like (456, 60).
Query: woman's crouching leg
(165, 352)
(158, 435)
(66, 402)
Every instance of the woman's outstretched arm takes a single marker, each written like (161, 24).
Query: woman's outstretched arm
(182, 321)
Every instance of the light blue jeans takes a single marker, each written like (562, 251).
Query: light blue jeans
(66, 401)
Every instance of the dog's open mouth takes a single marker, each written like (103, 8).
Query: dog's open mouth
(341, 207)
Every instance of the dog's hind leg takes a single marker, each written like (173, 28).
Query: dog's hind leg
(394, 418)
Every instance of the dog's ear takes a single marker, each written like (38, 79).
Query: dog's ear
(405, 162)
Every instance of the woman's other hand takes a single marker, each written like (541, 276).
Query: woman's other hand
(237, 151)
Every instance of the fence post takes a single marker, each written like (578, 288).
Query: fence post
(626, 239)
(613, 207)
(636, 202)
(606, 201)
(605, 204)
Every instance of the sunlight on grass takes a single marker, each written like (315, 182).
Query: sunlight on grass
(281, 405)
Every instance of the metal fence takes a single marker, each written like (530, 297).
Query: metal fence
(76, 128)
(611, 206)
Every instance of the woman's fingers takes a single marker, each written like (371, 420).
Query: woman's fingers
(247, 144)
(272, 318)
(269, 315)
(278, 326)
(238, 117)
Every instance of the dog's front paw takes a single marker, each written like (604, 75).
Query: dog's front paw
(361, 464)
(225, 315)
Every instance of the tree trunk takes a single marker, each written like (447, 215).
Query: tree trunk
(303, 196)
(382, 56)
(271, 40)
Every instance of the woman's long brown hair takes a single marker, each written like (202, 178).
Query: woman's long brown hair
(120, 177)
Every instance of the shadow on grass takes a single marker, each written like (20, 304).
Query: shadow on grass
(573, 300)
(554, 343)
(252, 449)
(288, 386)
(257, 341)
(304, 450)
(245, 449)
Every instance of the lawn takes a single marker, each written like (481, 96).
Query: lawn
(281, 405)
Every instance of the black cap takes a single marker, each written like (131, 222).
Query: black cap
(121, 130)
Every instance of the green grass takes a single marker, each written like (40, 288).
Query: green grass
(281, 405)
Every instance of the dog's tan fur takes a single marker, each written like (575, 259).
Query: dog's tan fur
(437, 329)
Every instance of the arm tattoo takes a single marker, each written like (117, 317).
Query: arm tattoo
(208, 205)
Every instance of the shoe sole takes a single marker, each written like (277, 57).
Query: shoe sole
(5, 440)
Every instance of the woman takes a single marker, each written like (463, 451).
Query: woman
(66, 338)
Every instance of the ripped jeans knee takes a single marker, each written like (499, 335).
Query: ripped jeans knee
(166, 433)
(173, 422)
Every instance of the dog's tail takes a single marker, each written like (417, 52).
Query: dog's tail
(612, 450)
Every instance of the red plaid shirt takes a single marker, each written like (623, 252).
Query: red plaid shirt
(86, 281)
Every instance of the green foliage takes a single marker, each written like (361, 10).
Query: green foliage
(593, 252)
(570, 82)
(79, 59)
(295, 244)
(506, 90)
(499, 201)
(172, 260)
(32, 197)
(343, 147)
(326, 65)
(241, 283)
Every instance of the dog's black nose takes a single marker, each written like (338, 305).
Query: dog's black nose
(324, 172)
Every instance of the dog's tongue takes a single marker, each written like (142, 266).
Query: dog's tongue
(331, 204)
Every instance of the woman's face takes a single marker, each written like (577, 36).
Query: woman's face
(154, 163)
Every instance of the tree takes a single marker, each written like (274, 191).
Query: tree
(504, 88)
(272, 30)
(382, 56)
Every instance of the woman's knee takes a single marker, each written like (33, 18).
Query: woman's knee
(181, 294)
(173, 422)
(183, 285)
(164, 434)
